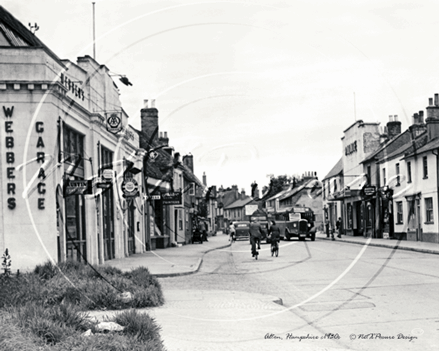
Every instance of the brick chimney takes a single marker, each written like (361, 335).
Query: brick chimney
(204, 179)
(243, 194)
(417, 128)
(394, 127)
(432, 118)
(163, 138)
(189, 162)
(149, 125)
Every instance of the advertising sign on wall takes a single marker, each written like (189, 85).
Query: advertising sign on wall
(172, 198)
(250, 209)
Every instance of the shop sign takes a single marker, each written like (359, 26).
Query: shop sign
(155, 197)
(77, 187)
(130, 188)
(369, 190)
(107, 174)
(114, 122)
(250, 209)
(351, 148)
(299, 209)
(172, 198)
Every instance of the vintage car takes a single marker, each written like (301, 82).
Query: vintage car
(300, 229)
(241, 230)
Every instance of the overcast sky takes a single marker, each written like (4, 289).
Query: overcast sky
(252, 87)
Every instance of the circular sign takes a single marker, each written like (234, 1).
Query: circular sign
(130, 188)
(114, 120)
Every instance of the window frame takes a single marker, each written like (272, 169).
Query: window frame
(399, 212)
(429, 211)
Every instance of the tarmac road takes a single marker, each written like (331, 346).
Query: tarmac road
(336, 296)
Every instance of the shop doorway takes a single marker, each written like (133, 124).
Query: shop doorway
(76, 245)
(108, 224)
(131, 227)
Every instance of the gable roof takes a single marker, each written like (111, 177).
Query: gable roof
(429, 146)
(14, 34)
(338, 169)
(240, 203)
(308, 184)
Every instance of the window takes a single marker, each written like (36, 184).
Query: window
(349, 216)
(408, 167)
(73, 150)
(425, 167)
(429, 210)
(397, 174)
(369, 174)
(399, 212)
(384, 176)
(335, 187)
(323, 190)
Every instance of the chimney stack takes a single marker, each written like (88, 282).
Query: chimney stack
(149, 125)
(394, 127)
(432, 118)
(204, 179)
(163, 138)
(189, 162)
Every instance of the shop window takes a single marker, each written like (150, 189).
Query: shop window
(408, 167)
(73, 148)
(399, 212)
(425, 167)
(429, 210)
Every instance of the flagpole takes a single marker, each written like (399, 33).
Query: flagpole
(94, 44)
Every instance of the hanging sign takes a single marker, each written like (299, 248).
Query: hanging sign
(114, 122)
(77, 187)
(130, 188)
(172, 198)
(369, 190)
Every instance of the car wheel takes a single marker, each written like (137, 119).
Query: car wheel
(287, 236)
(313, 238)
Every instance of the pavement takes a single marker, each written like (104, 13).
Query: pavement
(418, 246)
(172, 261)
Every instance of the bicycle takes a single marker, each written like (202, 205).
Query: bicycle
(274, 248)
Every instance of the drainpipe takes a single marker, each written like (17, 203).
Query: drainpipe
(435, 152)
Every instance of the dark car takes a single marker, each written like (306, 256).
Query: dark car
(241, 230)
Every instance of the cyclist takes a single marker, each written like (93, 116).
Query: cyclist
(274, 232)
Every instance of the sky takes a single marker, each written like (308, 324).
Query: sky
(255, 87)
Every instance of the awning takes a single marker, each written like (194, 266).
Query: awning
(158, 185)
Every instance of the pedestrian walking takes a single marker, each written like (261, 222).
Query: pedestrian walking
(232, 232)
(255, 234)
(339, 226)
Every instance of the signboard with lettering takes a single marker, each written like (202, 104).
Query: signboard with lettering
(155, 197)
(294, 216)
(250, 209)
(369, 190)
(130, 188)
(172, 198)
(77, 187)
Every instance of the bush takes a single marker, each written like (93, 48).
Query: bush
(139, 325)
(51, 324)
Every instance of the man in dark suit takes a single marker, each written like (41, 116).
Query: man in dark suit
(255, 234)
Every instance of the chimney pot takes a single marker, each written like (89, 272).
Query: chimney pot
(153, 102)
(395, 118)
(436, 99)
(145, 103)
(430, 101)
(165, 134)
(421, 117)
(390, 118)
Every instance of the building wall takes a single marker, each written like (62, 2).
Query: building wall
(33, 99)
